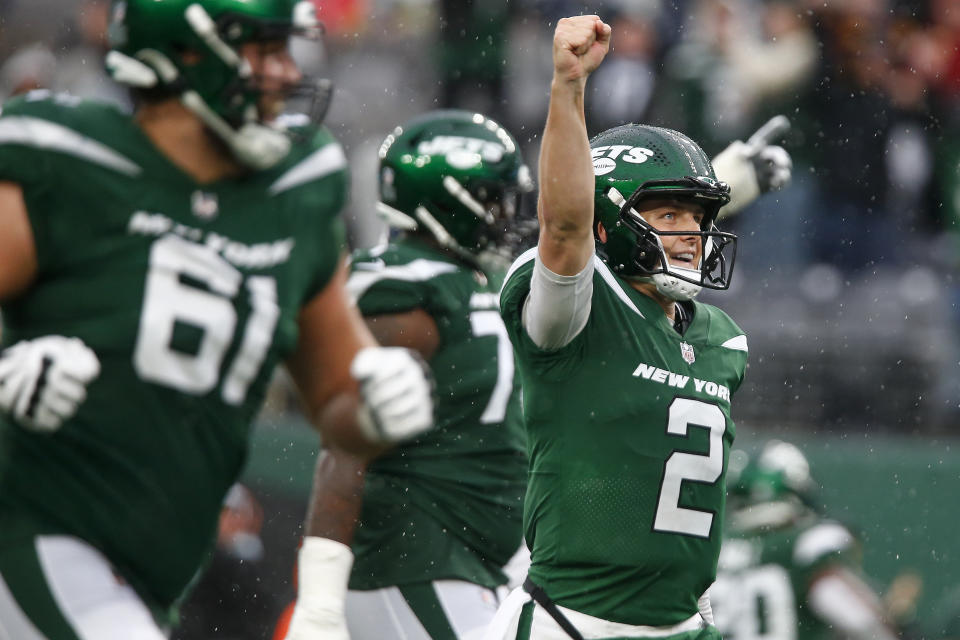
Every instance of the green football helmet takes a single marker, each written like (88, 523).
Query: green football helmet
(633, 163)
(190, 48)
(459, 175)
(772, 488)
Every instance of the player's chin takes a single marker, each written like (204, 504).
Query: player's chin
(271, 106)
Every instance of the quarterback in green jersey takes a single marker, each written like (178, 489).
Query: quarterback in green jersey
(627, 381)
(154, 269)
(786, 572)
(441, 515)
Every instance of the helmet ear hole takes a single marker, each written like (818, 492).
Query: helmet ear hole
(601, 232)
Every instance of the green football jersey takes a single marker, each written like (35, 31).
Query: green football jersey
(188, 294)
(449, 504)
(764, 577)
(629, 430)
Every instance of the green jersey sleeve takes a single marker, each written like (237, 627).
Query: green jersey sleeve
(21, 161)
(46, 138)
(549, 364)
(394, 282)
(322, 165)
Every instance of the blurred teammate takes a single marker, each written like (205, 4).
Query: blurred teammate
(627, 382)
(786, 572)
(441, 514)
(153, 270)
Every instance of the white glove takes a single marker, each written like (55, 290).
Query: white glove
(396, 392)
(43, 381)
(323, 570)
(754, 167)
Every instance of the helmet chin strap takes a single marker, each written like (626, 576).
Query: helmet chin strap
(255, 145)
(671, 287)
(675, 288)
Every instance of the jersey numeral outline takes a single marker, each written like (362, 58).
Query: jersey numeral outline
(680, 466)
(167, 300)
(489, 323)
(757, 603)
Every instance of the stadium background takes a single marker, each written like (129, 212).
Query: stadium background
(846, 282)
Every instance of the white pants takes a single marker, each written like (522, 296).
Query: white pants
(81, 584)
(544, 627)
(385, 613)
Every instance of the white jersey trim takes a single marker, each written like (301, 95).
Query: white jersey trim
(42, 134)
(318, 164)
(738, 343)
(367, 274)
(611, 281)
(822, 539)
(522, 259)
(14, 623)
(598, 265)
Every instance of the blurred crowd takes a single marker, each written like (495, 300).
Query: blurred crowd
(862, 246)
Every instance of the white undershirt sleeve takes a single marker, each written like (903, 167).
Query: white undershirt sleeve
(558, 307)
(844, 602)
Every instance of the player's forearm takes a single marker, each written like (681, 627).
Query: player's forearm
(337, 496)
(566, 182)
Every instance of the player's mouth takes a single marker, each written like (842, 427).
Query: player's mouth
(684, 259)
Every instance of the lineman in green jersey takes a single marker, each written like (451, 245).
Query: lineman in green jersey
(786, 572)
(153, 271)
(627, 382)
(441, 515)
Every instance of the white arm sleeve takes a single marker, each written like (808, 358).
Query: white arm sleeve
(844, 602)
(558, 307)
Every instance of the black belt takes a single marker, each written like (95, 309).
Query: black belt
(541, 598)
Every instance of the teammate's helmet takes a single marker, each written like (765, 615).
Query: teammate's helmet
(769, 490)
(633, 163)
(457, 174)
(779, 471)
(190, 48)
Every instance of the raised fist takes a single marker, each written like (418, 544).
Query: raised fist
(579, 45)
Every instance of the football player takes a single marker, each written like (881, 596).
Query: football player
(627, 380)
(786, 572)
(153, 271)
(441, 514)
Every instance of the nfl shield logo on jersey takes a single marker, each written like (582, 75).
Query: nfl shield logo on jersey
(686, 350)
(204, 205)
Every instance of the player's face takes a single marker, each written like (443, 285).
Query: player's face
(275, 73)
(675, 216)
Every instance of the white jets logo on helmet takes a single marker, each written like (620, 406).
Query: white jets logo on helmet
(605, 157)
(463, 152)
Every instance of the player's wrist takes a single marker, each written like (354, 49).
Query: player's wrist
(323, 572)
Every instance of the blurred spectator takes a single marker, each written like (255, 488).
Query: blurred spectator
(472, 55)
(851, 122)
(31, 67)
(623, 87)
(83, 45)
(229, 602)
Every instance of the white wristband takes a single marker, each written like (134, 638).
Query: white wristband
(323, 573)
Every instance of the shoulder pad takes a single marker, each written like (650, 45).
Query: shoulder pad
(315, 155)
(821, 540)
(723, 330)
(65, 124)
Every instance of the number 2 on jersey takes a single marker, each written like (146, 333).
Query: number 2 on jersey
(680, 466)
(168, 300)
